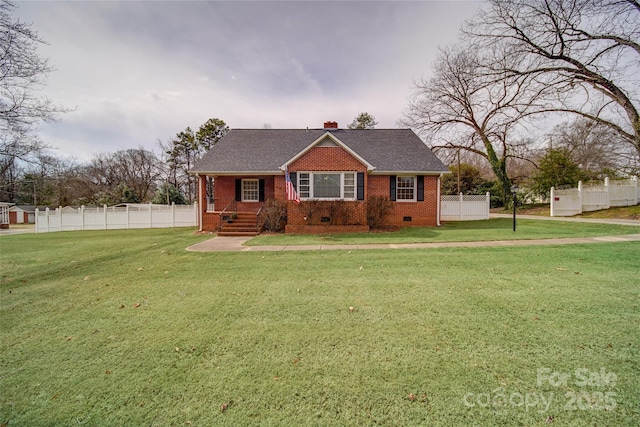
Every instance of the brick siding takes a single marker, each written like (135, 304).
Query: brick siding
(422, 213)
(329, 159)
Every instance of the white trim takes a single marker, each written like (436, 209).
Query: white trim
(425, 173)
(200, 205)
(342, 185)
(238, 173)
(329, 135)
(257, 189)
(415, 189)
(438, 202)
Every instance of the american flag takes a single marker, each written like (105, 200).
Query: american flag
(291, 190)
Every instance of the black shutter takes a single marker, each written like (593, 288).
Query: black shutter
(421, 188)
(360, 183)
(261, 190)
(238, 190)
(294, 179)
(392, 187)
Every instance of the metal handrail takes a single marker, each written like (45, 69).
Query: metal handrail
(231, 204)
(258, 216)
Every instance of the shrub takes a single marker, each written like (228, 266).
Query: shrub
(378, 207)
(274, 215)
(311, 211)
(340, 212)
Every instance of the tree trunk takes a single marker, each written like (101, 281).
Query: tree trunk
(499, 167)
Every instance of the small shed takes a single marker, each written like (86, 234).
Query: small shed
(22, 214)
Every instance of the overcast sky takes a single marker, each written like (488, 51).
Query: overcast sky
(139, 72)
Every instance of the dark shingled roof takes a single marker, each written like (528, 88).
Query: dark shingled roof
(266, 150)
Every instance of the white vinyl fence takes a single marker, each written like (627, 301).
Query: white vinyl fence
(586, 198)
(464, 208)
(4, 214)
(112, 218)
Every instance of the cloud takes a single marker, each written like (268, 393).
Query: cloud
(137, 72)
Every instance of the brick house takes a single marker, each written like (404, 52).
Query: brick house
(334, 172)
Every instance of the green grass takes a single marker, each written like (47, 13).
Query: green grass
(271, 333)
(543, 209)
(625, 212)
(463, 231)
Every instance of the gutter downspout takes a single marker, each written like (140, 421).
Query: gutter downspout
(438, 202)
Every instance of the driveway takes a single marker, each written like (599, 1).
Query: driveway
(18, 229)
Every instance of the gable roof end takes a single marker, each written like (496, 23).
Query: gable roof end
(319, 140)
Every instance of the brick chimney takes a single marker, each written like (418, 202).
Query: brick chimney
(331, 125)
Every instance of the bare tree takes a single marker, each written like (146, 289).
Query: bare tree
(52, 181)
(22, 74)
(469, 106)
(596, 148)
(183, 151)
(587, 50)
(18, 146)
(126, 175)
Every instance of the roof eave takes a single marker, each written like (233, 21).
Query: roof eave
(234, 173)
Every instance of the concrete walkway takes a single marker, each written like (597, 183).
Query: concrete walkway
(222, 244)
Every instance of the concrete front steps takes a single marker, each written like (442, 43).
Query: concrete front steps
(245, 224)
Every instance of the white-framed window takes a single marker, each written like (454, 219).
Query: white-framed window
(406, 188)
(349, 185)
(250, 190)
(327, 185)
(304, 185)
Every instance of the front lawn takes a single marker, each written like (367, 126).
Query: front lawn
(625, 212)
(464, 231)
(128, 328)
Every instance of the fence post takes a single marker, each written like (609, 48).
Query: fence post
(104, 207)
(488, 204)
(606, 189)
(580, 195)
(37, 212)
(150, 216)
(198, 221)
(126, 209)
(552, 197)
(460, 205)
(635, 182)
(81, 217)
(173, 214)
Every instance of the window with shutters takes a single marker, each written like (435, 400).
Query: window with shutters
(250, 190)
(406, 188)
